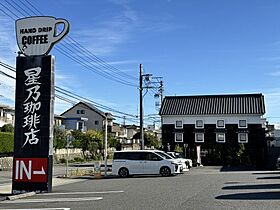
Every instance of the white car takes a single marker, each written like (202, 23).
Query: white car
(178, 156)
(140, 162)
(178, 160)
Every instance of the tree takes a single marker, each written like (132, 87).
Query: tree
(78, 138)
(59, 141)
(178, 148)
(149, 140)
(113, 141)
(92, 141)
(7, 128)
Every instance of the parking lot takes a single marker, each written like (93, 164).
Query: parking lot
(200, 188)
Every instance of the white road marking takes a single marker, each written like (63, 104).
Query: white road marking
(77, 193)
(43, 209)
(54, 200)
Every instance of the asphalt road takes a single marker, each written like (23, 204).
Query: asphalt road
(201, 188)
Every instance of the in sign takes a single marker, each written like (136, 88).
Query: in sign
(30, 170)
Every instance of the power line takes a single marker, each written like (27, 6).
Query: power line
(9, 11)
(111, 72)
(99, 65)
(69, 93)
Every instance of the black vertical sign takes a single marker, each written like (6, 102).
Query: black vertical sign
(33, 140)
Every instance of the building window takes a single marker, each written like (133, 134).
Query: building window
(220, 137)
(179, 124)
(199, 124)
(96, 122)
(80, 126)
(242, 137)
(199, 137)
(242, 124)
(220, 123)
(178, 137)
(81, 111)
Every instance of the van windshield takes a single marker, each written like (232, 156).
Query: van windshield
(164, 155)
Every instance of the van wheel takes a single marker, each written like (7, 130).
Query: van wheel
(123, 172)
(165, 171)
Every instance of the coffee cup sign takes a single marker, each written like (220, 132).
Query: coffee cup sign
(37, 35)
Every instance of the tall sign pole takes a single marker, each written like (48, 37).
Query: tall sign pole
(34, 115)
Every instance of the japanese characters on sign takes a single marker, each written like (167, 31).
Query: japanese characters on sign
(32, 105)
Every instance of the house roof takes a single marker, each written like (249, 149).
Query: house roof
(91, 107)
(213, 104)
(56, 116)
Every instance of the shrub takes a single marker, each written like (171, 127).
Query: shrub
(6, 143)
(7, 128)
(78, 159)
(62, 160)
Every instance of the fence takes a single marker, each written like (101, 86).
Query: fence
(6, 163)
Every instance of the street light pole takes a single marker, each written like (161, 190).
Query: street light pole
(67, 149)
(141, 108)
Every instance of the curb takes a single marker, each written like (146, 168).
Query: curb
(3, 198)
(23, 195)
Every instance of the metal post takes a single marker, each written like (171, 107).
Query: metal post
(67, 149)
(141, 108)
(105, 144)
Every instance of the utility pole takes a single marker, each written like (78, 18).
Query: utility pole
(105, 143)
(148, 85)
(141, 108)
(161, 91)
(124, 120)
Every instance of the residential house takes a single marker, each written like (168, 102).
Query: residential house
(7, 115)
(155, 130)
(216, 128)
(85, 116)
(125, 134)
(58, 121)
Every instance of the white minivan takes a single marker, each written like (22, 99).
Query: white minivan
(140, 162)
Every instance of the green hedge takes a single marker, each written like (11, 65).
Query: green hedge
(6, 143)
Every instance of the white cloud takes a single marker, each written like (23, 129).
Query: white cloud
(104, 39)
(274, 74)
(124, 62)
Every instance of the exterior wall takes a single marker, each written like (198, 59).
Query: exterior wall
(254, 148)
(131, 133)
(90, 114)
(58, 122)
(212, 119)
(7, 116)
(276, 142)
(70, 124)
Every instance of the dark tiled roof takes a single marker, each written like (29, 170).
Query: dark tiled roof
(213, 104)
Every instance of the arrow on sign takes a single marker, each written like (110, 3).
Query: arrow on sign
(40, 172)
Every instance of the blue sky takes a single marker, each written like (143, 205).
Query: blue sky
(197, 46)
